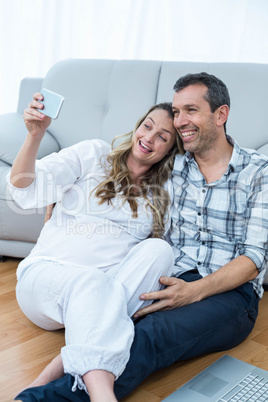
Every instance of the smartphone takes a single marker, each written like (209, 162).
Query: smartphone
(52, 103)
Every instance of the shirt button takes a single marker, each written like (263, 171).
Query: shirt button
(203, 191)
(203, 243)
(199, 263)
(199, 214)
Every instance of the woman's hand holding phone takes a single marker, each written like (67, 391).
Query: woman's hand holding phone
(44, 107)
(23, 168)
(35, 121)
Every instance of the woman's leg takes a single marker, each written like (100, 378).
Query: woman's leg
(100, 386)
(99, 383)
(39, 303)
(140, 270)
(91, 306)
(98, 331)
(52, 371)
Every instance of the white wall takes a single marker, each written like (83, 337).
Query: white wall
(34, 34)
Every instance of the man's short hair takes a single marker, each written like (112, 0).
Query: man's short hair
(217, 93)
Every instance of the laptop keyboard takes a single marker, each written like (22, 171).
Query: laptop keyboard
(251, 388)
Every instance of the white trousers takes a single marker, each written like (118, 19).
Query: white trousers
(93, 306)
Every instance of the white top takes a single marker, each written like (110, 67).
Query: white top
(80, 231)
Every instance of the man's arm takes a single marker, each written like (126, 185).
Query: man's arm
(180, 293)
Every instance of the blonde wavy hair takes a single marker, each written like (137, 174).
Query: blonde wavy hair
(118, 177)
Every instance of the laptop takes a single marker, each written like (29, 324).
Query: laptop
(228, 379)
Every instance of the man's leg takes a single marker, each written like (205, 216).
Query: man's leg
(217, 323)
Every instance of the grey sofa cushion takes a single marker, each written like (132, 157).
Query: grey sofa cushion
(12, 140)
(263, 150)
(103, 98)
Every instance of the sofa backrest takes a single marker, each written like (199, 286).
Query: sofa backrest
(104, 98)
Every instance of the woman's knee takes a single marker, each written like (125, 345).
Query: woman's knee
(160, 250)
(158, 257)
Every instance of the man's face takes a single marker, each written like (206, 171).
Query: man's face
(193, 119)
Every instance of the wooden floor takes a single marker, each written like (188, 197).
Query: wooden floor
(26, 349)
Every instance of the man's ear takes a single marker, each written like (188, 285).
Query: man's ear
(222, 115)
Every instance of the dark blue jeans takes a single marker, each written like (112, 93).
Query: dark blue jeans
(217, 323)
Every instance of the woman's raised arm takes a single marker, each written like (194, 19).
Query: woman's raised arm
(23, 169)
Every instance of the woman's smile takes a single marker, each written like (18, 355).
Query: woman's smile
(144, 148)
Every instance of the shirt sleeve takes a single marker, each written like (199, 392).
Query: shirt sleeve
(58, 172)
(255, 244)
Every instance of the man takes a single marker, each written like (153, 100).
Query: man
(219, 235)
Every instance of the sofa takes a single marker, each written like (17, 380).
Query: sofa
(103, 99)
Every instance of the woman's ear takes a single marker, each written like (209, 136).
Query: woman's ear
(222, 115)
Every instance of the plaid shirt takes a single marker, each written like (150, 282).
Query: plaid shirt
(214, 223)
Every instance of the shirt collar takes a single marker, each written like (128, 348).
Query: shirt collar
(236, 155)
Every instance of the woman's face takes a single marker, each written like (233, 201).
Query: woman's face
(153, 139)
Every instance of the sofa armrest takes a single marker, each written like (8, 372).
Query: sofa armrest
(28, 87)
(12, 136)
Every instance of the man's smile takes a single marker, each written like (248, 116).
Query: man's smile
(188, 134)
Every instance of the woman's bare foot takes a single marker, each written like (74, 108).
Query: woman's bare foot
(52, 371)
